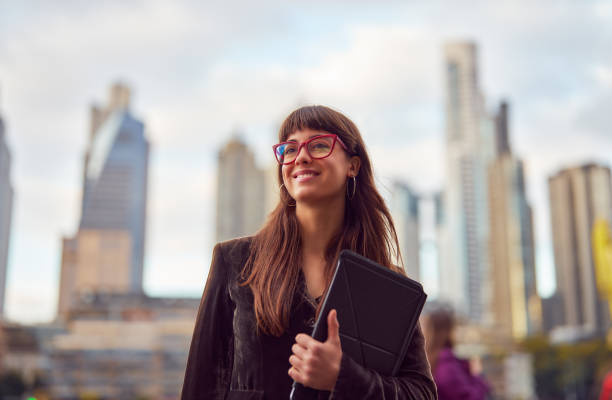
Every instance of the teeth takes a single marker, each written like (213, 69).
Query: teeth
(304, 175)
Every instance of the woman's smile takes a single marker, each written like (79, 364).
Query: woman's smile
(305, 175)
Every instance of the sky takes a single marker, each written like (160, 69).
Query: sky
(201, 72)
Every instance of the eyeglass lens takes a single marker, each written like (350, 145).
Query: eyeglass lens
(317, 148)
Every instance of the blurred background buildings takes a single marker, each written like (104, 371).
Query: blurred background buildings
(472, 240)
(240, 192)
(514, 305)
(404, 209)
(469, 149)
(580, 197)
(107, 252)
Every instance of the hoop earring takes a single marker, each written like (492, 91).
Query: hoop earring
(288, 203)
(352, 195)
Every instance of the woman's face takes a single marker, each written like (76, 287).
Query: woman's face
(311, 180)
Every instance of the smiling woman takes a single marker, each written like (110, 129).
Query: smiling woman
(323, 179)
(263, 292)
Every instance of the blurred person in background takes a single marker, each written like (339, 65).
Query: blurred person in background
(264, 292)
(606, 388)
(455, 378)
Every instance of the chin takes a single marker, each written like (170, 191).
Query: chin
(305, 197)
(311, 198)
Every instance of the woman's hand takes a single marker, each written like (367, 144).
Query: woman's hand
(317, 364)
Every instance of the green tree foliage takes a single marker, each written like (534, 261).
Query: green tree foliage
(570, 369)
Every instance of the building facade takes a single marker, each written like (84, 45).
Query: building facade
(404, 208)
(107, 252)
(122, 346)
(241, 192)
(6, 209)
(515, 304)
(469, 149)
(580, 198)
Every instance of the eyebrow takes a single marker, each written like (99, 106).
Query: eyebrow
(311, 136)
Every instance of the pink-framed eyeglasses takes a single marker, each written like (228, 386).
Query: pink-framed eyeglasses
(318, 147)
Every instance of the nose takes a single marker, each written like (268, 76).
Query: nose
(302, 156)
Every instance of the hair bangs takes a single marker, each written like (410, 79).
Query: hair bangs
(316, 118)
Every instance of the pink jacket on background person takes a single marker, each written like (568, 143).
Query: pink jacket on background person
(455, 381)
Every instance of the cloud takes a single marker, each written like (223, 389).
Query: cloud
(180, 227)
(385, 79)
(594, 119)
(386, 65)
(603, 75)
(421, 164)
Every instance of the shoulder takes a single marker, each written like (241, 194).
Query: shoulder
(234, 251)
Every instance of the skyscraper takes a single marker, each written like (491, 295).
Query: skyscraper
(515, 304)
(580, 197)
(469, 149)
(107, 252)
(241, 192)
(6, 207)
(404, 208)
(272, 191)
(440, 239)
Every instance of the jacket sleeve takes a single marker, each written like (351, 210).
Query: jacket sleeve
(413, 381)
(209, 366)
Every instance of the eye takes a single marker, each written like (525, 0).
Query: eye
(285, 149)
(320, 145)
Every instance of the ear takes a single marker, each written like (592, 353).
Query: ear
(354, 165)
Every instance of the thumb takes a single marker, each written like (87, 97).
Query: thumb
(333, 327)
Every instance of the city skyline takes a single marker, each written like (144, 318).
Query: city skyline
(550, 63)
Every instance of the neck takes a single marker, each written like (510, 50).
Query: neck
(319, 223)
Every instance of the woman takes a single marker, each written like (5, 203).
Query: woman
(453, 377)
(263, 292)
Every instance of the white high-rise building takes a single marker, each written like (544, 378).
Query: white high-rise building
(6, 206)
(404, 208)
(469, 149)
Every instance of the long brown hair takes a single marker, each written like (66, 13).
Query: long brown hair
(274, 265)
(438, 326)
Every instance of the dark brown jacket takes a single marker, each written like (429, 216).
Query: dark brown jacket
(228, 360)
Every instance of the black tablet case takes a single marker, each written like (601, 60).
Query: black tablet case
(378, 310)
